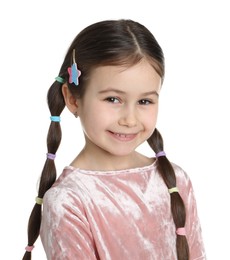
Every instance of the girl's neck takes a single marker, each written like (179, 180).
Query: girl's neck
(89, 160)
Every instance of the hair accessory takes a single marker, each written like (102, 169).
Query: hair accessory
(29, 248)
(60, 79)
(74, 72)
(55, 118)
(39, 200)
(181, 231)
(161, 153)
(51, 156)
(174, 189)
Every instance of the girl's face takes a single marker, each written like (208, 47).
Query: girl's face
(119, 109)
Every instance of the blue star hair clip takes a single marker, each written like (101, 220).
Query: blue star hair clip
(74, 72)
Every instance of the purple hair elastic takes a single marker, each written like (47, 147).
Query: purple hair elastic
(51, 156)
(161, 153)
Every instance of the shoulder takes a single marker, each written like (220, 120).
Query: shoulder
(181, 174)
(184, 183)
(183, 180)
(64, 193)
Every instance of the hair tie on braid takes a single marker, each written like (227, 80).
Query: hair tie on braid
(181, 231)
(174, 189)
(39, 200)
(55, 118)
(161, 153)
(51, 156)
(29, 248)
(60, 79)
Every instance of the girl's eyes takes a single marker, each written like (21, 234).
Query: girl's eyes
(140, 102)
(112, 100)
(145, 102)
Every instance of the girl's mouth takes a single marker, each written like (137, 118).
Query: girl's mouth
(123, 136)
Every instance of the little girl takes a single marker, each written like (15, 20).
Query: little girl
(113, 202)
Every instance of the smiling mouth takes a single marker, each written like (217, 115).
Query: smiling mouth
(122, 136)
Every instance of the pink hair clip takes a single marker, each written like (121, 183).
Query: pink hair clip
(74, 72)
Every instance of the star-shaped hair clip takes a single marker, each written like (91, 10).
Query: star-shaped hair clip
(74, 72)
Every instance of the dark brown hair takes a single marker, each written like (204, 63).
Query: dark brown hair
(111, 42)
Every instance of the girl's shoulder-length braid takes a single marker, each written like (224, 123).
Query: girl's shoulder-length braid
(177, 205)
(110, 42)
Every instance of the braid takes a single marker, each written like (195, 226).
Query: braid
(48, 176)
(177, 205)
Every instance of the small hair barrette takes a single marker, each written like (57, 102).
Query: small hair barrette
(74, 72)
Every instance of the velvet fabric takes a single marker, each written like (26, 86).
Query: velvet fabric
(116, 215)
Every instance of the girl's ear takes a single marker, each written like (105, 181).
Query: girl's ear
(70, 100)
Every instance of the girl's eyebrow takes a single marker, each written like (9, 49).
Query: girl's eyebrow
(123, 92)
(154, 92)
(111, 90)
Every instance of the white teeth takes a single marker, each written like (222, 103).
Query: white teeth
(121, 135)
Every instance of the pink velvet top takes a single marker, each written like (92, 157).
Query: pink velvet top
(116, 215)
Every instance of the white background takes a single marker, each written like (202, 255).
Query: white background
(194, 105)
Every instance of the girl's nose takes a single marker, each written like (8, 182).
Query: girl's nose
(128, 118)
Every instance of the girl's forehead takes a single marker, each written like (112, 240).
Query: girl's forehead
(125, 77)
(142, 67)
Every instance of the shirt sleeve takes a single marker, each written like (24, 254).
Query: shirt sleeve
(193, 227)
(65, 231)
